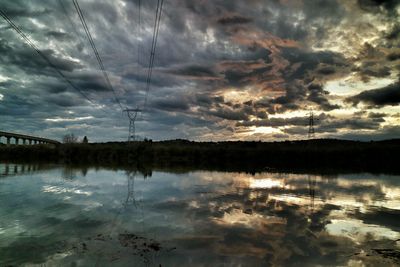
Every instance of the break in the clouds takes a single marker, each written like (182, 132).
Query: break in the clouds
(248, 70)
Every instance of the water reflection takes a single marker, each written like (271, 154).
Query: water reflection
(86, 216)
(11, 169)
(130, 197)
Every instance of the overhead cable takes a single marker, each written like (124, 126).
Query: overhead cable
(92, 44)
(156, 30)
(44, 57)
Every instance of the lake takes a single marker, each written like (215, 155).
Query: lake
(53, 215)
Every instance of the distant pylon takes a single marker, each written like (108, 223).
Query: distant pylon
(132, 115)
(311, 131)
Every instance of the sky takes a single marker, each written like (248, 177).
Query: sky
(223, 70)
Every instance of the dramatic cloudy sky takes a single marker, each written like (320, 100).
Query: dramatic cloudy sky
(237, 69)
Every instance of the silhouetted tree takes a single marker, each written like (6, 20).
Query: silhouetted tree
(85, 140)
(70, 139)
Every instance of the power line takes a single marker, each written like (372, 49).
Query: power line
(139, 35)
(70, 20)
(153, 48)
(139, 38)
(92, 44)
(31, 44)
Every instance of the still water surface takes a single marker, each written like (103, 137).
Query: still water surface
(58, 216)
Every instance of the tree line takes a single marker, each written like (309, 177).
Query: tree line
(324, 154)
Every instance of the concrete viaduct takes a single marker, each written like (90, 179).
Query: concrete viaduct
(25, 139)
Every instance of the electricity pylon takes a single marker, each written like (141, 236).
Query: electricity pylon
(130, 197)
(312, 182)
(311, 131)
(132, 115)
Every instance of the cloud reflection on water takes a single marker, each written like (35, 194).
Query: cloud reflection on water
(211, 218)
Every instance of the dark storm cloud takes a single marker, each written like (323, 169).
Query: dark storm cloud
(196, 71)
(393, 56)
(235, 19)
(380, 72)
(389, 95)
(308, 66)
(327, 70)
(373, 66)
(25, 58)
(386, 132)
(276, 122)
(171, 104)
(160, 79)
(63, 100)
(352, 124)
(323, 123)
(377, 116)
(16, 106)
(16, 9)
(205, 49)
(376, 5)
(230, 114)
(317, 95)
(208, 100)
(91, 82)
(53, 87)
(372, 121)
(58, 35)
(394, 34)
(313, 63)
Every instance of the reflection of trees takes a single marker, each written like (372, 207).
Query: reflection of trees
(84, 171)
(71, 172)
(68, 173)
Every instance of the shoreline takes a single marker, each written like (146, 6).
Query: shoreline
(321, 155)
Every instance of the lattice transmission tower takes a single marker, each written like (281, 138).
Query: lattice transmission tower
(311, 130)
(130, 197)
(312, 183)
(132, 115)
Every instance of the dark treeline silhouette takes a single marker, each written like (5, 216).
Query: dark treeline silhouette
(322, 155)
